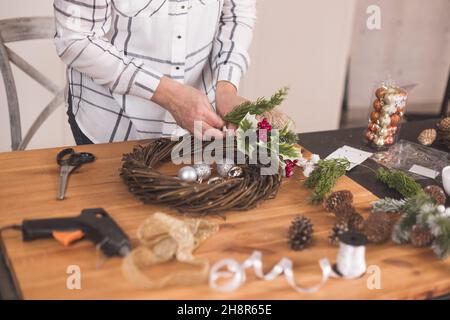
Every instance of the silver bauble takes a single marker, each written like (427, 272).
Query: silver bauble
(384, 132)
(389, 99)
(224, 166)
(187, 174)
(379, 141)
(385, 120)
(390, 109)
(235, 172)
(203, 171)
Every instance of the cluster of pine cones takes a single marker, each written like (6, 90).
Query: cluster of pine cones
(377, 227)
(348, 219)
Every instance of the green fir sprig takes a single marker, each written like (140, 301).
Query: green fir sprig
(324, 177)
(399, 181)
(388, 205)
(260, 106)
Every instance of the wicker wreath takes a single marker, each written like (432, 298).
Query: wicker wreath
(139, 172)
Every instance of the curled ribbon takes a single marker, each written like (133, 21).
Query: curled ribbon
(237, 273)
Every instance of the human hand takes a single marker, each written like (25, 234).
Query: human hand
(227, 99)
(188, 105)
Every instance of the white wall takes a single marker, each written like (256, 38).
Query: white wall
(32, 97)
(303, 44)
(413, 46)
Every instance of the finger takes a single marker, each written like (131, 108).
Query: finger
(210, 132)
(214, 120)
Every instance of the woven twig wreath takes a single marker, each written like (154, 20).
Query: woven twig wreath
(139, 172)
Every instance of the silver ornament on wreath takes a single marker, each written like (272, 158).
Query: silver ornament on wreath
(235, 172)
(223, 167)
(203, 171)
(187, 174)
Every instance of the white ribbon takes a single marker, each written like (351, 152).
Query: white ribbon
(237, 275)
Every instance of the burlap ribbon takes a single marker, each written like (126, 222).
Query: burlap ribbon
(164, 238)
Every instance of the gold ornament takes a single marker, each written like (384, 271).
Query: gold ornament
(380, 92)
(374, 116)
(427, 137)
(377, 105)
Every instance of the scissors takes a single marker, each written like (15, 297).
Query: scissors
(69, 160)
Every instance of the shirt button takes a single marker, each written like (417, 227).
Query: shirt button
(179, 37)
(177, 68)
(183, 7)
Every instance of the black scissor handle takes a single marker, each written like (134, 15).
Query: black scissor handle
(71, 158)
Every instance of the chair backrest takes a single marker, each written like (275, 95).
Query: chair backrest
(23, 29)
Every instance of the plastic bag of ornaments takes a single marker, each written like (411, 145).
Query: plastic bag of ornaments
(388, 105)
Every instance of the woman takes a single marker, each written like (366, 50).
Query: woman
(147, 68)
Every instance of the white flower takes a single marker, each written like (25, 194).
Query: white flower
(309, 168)
(315, 158)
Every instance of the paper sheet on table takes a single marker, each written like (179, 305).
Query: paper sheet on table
(355, 156)
(426, 172)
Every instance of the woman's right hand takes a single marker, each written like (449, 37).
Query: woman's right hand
(188, 105)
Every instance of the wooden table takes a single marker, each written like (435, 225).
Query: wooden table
(28, 189)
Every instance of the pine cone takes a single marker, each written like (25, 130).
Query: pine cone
(378, 228)
(336, 231)
(443, 131)
(436, 193)
(421, 236)
(337, 199)
(427, 137)
(390, 218)
(356, 222)
(300, 233)
(444, 124)
(344, 211)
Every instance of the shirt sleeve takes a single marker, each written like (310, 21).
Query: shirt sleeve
(80, 41)
(233, 39)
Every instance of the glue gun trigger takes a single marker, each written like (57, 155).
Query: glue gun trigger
(66, 238)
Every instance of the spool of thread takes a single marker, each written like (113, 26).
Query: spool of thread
(351, 258)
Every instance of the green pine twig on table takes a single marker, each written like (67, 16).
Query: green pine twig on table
(325, 176)
(257, 107)
(399, 181)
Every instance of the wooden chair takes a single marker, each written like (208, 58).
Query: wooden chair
(22, 29)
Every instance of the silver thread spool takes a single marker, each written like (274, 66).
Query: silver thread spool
(351, 258)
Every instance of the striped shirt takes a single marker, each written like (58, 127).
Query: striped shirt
(116, 52)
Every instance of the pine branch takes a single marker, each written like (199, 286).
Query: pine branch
(257, 107)
(388, 205)
(287, 136)
(399, 181)
(325, 176)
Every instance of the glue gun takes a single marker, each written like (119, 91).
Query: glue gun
(95, 225)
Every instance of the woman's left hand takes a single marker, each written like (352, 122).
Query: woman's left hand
(227, 99)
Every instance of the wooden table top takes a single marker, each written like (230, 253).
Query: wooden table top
(28, 189)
